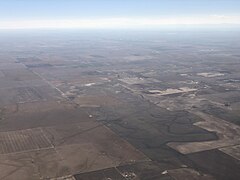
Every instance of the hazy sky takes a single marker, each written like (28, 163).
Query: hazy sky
(114, 13)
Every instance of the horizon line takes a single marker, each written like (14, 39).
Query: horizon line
(122, 22)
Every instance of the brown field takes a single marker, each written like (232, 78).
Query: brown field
(119, 106)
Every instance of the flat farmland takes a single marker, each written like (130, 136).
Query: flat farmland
(119, 106)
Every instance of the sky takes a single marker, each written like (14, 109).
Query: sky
(116, 13)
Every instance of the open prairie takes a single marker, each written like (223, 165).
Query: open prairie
(111, 105)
